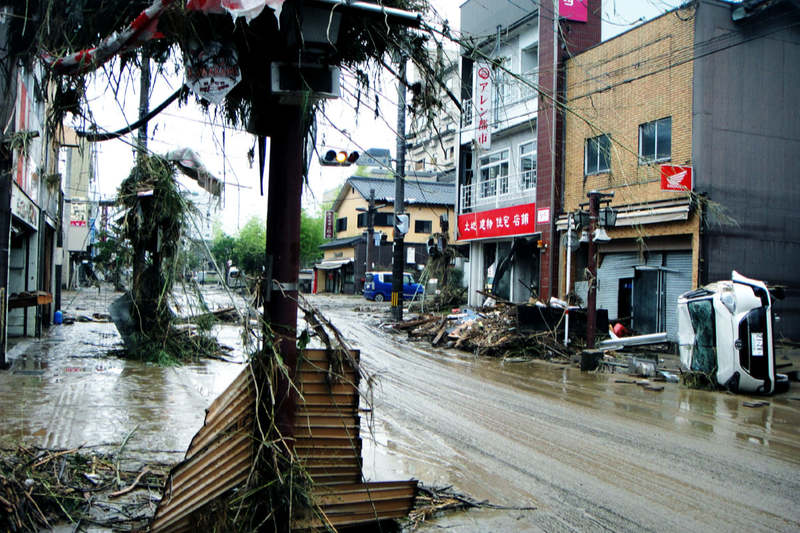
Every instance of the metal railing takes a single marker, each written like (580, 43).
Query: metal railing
(494, 191)
(508, 92)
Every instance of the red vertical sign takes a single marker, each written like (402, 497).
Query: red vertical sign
(329, 224)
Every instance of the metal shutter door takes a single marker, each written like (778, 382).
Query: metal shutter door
(611, 270)
(677, 283)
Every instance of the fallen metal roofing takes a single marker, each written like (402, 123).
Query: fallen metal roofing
(219, 458)
(327, 441)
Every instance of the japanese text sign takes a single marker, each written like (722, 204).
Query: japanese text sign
(573, 10)
(329, 216)
(483, 104)
(503, 222)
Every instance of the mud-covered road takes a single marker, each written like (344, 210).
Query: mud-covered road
(588, 453)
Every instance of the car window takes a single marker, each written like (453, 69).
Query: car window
(701, 313)
(368, 277)
(408, 278)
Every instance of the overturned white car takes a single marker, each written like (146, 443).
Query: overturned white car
(725, 331)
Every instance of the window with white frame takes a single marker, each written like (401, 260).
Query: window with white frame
(529, 58)
(597, 155)
(655, 140)
(527, 165)
(494, 174)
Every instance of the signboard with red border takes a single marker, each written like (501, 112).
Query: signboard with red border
(573, 10)
(676, 178)
(503, 222)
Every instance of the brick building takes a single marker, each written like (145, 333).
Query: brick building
(708, 87)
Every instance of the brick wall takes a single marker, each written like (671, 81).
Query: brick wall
(612, 89)
(615, 87)
(574, 37)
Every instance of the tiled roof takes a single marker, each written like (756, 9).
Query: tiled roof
(416, 192)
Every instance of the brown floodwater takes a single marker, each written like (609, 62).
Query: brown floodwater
(589, 453)
(586, 453)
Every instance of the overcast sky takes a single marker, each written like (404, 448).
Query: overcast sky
(339, 127)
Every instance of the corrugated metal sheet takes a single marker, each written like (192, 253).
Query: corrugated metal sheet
(678, 280)
(327, 441)
(360, 503)
(218, 459)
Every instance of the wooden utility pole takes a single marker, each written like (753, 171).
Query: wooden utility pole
(398, 249)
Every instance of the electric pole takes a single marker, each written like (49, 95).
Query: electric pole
(370, 227)
(398, 252)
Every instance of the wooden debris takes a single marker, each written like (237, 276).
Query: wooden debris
(41, 488)
(492, 332)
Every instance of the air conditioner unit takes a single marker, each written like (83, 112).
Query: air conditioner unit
(292, 80)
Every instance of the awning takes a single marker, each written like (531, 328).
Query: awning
(332, 265)
(634, 215)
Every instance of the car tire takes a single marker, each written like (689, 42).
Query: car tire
(379, 297)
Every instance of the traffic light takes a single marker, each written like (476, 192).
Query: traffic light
(341, 158)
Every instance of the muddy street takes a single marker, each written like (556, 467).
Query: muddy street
(589, 453)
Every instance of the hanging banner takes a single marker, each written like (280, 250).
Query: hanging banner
(211, 72)
(503, 222)
(483, 104)
(573, 10)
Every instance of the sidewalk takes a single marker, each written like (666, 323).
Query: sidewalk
(67, 389)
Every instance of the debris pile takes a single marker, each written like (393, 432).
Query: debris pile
(432, 502)
(41, 488)
(488, 331)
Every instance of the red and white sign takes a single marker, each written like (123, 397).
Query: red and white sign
(483, 104)
(329, 224)
(78, 223)
(213, 71)
(543, 216)
(503, 222)
(573, 10)
(676, 178)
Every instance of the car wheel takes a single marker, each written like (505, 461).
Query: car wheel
(379, 297)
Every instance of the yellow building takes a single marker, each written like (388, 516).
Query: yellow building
(348, 256)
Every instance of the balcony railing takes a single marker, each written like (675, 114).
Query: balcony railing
(493, 192)
(508, 93)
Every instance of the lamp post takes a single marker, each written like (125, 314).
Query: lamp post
(595, 198)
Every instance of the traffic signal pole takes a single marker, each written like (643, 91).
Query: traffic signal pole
(398, 251)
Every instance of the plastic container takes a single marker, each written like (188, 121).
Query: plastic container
(58, 318)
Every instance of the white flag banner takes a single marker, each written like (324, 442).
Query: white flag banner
(483, 104)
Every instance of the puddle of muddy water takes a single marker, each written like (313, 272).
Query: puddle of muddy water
(67, 391)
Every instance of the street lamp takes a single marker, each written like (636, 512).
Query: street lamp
(599, 219)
